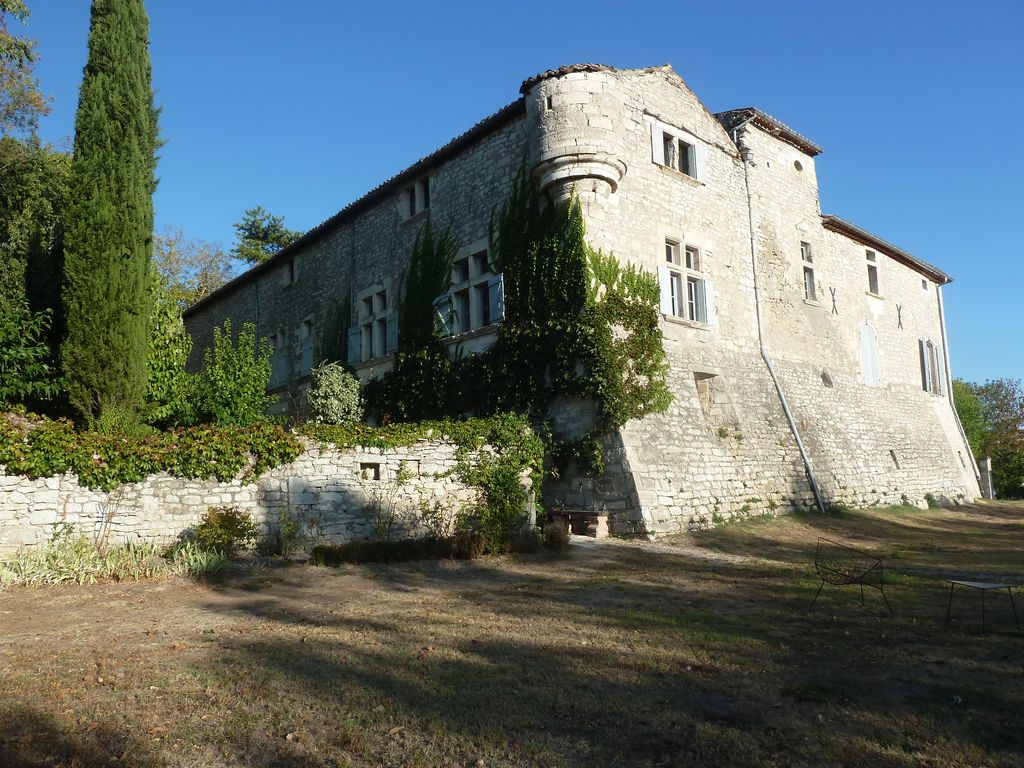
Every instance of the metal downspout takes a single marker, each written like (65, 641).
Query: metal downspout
(745, 155)
(949, 386)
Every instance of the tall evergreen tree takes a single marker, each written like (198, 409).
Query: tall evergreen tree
(108, 239)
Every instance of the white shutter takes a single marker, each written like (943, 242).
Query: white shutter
(709, 301)
(700, 157)
(869, 355)
(941, 372)
(391, 333)
(443, 314)
(926, 373)
(665, 282)
(657, 144)
(496, 298)
(355, 342)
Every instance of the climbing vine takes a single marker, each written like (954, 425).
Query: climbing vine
(577, 323)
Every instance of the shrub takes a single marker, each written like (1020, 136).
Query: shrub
(556, 536)
(25, 371)
(231, 389)
(227, 530)
(334, 395)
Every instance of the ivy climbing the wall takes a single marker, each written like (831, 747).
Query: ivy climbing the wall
(577, 324)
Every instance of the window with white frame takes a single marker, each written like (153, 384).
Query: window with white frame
(674, 148)
(375, 330)
(869, 356)
(807, 259)
(475, 299)
(685, 290)
(933, 367)
(871, 259)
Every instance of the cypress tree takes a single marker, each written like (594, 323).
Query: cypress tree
(108, 237)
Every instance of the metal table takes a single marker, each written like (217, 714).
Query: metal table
(983, 587)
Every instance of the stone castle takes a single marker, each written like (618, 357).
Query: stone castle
(809, 361)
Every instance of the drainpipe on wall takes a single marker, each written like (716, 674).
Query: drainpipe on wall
(745, 154)
(949, 386)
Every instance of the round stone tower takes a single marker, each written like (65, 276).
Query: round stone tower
(572, 115)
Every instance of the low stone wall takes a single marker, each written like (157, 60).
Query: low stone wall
(334, 493)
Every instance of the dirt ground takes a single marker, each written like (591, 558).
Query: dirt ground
(696, 650)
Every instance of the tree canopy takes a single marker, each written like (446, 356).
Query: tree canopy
(21, 101)
(992, 415)
(261, 235)
(190, 268)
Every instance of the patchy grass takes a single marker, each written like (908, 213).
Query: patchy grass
(693, 651)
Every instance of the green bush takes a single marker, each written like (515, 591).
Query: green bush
(334, 395)
(231, 389)
(25, 372)
(227, 530)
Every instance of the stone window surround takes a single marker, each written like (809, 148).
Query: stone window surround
(807, 270)
(370, 320)
(659, 130)
(702, 246)
(415, 199)
(471, 286)
(873, 262)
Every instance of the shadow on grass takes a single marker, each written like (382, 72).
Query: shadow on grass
(30, 738)
(623, 655)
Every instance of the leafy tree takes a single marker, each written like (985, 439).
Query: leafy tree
(968, 408)
(109, 226)
(231, 389)
(33, 198)
(261, 235)
(25, 372)
(190, 269)
(21, 101)
(169, 389)
(1002, 404)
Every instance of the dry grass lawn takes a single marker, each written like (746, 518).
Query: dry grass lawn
(693, 651)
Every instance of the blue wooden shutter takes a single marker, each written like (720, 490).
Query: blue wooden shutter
(926, 374)
(496, 298)
(665, 283)
(443, 314)
(355, 343)
(709, 301)
(391, 333)
(940, 358)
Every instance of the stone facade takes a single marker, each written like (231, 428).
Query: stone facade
(334, 493)
(808, 356)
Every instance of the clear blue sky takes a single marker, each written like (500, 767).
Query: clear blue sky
(302, 107)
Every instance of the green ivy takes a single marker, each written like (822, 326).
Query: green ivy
(577, 324)
(37, 447)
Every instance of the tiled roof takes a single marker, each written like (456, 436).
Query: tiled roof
(500, 118)
(854, 232)
(763, 120)
(529, 82)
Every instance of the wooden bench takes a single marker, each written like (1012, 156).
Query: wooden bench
(582, 522)
(838, 564)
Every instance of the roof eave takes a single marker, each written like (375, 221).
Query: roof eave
(488, 125)
(864, 237)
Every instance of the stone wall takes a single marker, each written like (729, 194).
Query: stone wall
(333, 492)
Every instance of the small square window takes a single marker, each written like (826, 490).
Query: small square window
(692, 258)
(479, 262)
(672, 252)
(805, 253)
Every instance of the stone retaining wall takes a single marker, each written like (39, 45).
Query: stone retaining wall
(334, 493)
